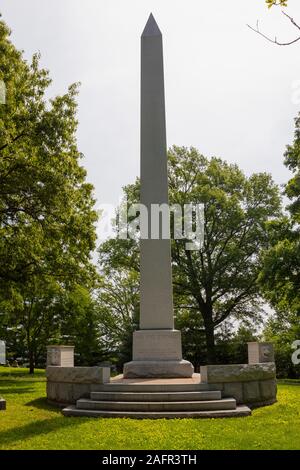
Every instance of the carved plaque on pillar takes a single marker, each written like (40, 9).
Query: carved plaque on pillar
(260, 352)
(161, 345)
(61, 356)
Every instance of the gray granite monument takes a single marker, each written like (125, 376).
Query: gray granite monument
(220, 390)
(157, 348)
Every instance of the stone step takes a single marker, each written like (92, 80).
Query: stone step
(156, 396)
(144, 387)
(240, 411)
(210, 405)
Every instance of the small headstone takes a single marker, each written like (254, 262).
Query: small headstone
(2, 404)
(2, 353)
(60, 356)
(260, 352)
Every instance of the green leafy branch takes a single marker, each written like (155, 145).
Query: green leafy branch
(281, 3)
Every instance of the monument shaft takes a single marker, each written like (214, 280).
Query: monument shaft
(156, 306)
(156, 350)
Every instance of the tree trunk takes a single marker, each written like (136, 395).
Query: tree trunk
(31, 362)
(210, 342)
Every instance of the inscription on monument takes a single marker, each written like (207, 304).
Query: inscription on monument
(157, 345)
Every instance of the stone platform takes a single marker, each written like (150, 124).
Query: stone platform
(156, 398)
(218, 391)
(253, 384)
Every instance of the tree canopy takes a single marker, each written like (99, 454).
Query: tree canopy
(47, 216)
(281, 274)
(219, 281)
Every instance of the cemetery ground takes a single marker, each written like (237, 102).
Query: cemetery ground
(30, 423)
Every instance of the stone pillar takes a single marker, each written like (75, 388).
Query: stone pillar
(156, 346)
(65, 385)
(61, 356)
(260, 352)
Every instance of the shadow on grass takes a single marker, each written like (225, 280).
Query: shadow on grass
(42, 404)
(16, 383)
(16, 391)
(37, 428)
(16, 387)
(9, 372)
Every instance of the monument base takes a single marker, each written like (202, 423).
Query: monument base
(158, 369)
(157, 353)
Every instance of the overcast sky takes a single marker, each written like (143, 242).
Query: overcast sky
(228, 91)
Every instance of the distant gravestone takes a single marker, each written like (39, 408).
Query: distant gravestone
(2, 353)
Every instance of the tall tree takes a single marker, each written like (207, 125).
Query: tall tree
(220, 280)
(47, 218)
(118, 311)
(283, 329)
(280, 276)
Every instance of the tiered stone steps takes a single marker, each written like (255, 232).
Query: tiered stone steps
(201, 405)
(156, 398)
(240, 411)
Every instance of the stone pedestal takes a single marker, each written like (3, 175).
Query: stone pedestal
(157, 345)
(260, 352)
(65, 385)
(60, 356)
(157, 353)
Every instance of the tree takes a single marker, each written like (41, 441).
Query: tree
(281, 3)
(118, 306)
(283, 329)
(231, 345)
(280, 277)
(220, 281)
(79, 325)
(47, 216)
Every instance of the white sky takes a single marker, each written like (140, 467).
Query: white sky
(228, 91)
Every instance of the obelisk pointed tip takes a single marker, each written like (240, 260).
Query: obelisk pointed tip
(151, 28)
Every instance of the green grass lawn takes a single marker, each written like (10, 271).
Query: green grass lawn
(30, 423)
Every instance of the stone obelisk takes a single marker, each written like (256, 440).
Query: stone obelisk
(157, 348)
